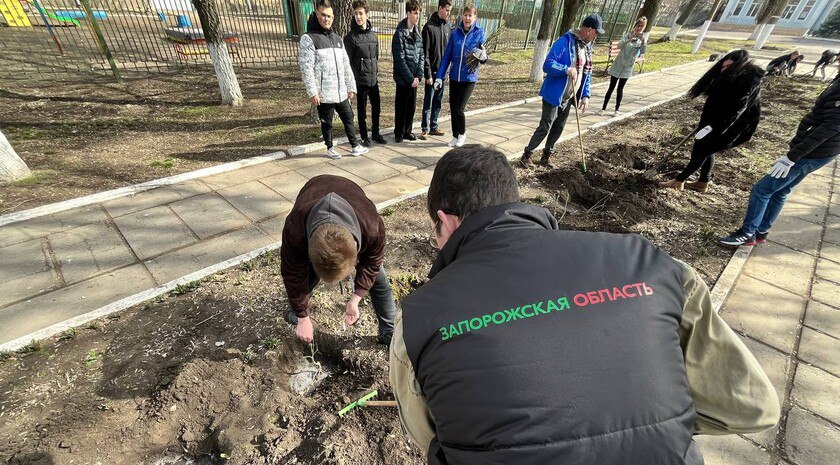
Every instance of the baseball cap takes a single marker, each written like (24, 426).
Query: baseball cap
(595, 22)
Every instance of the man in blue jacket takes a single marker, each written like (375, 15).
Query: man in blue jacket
(568, 69)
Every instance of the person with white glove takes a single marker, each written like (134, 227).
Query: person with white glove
(730, 115)
(464, 52)
(816, 144)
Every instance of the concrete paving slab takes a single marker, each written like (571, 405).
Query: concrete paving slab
(153, 231)
(390, 188)
(205, 253)
(820, 350)
(25, 271)
(834, 209)
(50, 224)
(427, 154)
(823, 318)
(423, 176)
(811, 440)
(402, 163)
(287, 184)
(764, 312)
(306, 160)
(209, 214)
(273, 227)
(366, 168)
(814, 187)
(731, 450)
(765, 260)
(801, 207)
(42, 311)
(830, 251)
(826, 292)
(155, 197)
(832, 230)
(90, 250)
(777, 366)
(796, 234)
(247, 174)
(828, 269)
(330, 168)
(487, 138)
(256, 200)
(816, 390)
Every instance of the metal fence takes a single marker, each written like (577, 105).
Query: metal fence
(74, 39)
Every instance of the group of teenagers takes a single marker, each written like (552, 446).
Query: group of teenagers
(531, 344)
(336, 70)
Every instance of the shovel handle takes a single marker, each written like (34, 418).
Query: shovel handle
(379, 403)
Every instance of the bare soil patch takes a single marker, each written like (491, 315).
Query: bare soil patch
(206, 374)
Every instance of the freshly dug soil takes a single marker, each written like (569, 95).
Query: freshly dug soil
(212, 374)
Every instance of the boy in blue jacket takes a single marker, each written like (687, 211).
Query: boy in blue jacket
(568, 69)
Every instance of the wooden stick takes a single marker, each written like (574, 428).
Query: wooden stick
(380, 403)
(577, 118)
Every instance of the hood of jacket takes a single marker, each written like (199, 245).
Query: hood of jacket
(354, 26)
(435, 19)
(516, 215)
(333, 209)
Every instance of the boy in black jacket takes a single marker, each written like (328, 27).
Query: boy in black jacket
(407, 50)
(362, 48)
(435, 37)
(816, 144)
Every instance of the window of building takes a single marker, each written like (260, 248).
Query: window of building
(807, 10)
(755, 7)
(738, 7)
(791, 7)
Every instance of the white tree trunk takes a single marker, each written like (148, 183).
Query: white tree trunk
(762, 38)
(701, 35)
(540, 52)
(228, 84)
(675, 29)
(12, 167)
(757, 31)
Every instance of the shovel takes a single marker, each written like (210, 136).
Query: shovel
(649, 174)
(577, 118)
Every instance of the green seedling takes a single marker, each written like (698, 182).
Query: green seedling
(92, 357)
(68, 334)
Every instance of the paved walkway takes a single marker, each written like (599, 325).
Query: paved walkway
(786, 306)
(67, 264)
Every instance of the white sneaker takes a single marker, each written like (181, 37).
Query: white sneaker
(599, 113)
(453, 142)
(333, 154)
(616, 114)
(461, 140)
(359, 150)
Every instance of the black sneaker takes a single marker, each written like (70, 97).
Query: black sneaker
(379, 139)
(738, 238)
(366, 142)
(761, 237)
(410, 137)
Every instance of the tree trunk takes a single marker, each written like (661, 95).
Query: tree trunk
(770, 9)
(571, 8)
(343, 13)
(208, 14)
(681, 19)
(543, 39)
(12, 167)
(650, 9)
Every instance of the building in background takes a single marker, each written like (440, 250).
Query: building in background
(799, 16)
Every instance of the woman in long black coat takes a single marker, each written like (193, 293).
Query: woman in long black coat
(730, 115)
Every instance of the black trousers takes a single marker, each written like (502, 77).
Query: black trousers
(459, 95)
(326, 112)
(404, 106)
(375, 108)
(702, 158)
(619, 95)
(552, 122)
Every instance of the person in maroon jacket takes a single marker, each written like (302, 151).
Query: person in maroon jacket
(332, 230)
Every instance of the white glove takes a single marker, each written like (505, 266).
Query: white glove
(438, 84)
(703, 132)
(781, 168)
(481, 54)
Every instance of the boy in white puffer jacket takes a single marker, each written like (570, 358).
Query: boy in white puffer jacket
(328, 77)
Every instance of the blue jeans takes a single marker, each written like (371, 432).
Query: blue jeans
(432, 100)
(769, 194)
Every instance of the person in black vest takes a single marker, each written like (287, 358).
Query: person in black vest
(407, 50)
(435, 37)
(363, 49)
(328, 77)
(534, 345)
(828, 57)
(783, 65)
(816, 144)
(730, 115)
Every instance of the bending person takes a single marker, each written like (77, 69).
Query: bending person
(828, 57)
(464, 51)
(816, 144)
(730, 115)
(631, 47)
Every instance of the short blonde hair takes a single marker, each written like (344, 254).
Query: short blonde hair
(642, 20)
(332, 251)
